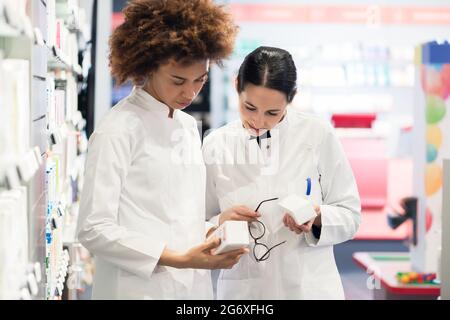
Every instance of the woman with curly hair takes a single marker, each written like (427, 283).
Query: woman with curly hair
(142, 208)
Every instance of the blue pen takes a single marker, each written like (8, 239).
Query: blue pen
(308, 186)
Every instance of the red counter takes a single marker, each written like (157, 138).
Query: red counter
(383, 268)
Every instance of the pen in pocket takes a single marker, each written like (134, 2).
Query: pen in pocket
(308, 186)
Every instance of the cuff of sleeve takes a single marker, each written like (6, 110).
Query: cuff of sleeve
(315, 235)
(149, 246)
(159, 248)
(311, 240)
(215, 220)
(153, 251)
(333, 229)
(316, 231)
(208, 226)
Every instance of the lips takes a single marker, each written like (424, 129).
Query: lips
(185, 104)
(255, 132)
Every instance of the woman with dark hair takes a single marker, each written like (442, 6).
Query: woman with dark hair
(142, 207)
(285, 173)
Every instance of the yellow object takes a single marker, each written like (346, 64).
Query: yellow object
(404, 279)
(434, 136)
(413, 276)
(433, 178)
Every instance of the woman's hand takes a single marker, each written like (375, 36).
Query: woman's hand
(200, 257)
(306, 227)
(210, 231)
(241, 213)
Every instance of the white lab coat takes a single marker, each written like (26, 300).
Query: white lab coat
(301, 147)
(144, 191)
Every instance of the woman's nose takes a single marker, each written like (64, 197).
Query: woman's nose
(189, 92)
(258, 121)
(189, 95)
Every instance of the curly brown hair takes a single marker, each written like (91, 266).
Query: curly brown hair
(155, 31)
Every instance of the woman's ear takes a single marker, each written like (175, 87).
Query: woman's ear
(236, 84)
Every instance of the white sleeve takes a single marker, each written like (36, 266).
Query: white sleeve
(341, 208)
(99, 230)
(212, 208)
(211, 200)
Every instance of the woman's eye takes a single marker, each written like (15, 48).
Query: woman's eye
(250, 109)
(273, 114)
(178, 83)
(202, 79)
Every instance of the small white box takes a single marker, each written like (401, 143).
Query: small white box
(232, 234)
(299, 208)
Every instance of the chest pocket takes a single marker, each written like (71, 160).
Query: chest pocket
(301, 176)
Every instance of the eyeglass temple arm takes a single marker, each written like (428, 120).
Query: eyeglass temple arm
(268, 251)
(259, 205)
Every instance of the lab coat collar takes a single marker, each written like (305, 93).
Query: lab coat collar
(147, 101)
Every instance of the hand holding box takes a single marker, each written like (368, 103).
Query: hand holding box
(299, 208)
(232, 234)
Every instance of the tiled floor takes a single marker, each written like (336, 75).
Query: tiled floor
(355, 286)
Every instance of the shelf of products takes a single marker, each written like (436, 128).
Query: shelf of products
(42, 146)
(14, 21)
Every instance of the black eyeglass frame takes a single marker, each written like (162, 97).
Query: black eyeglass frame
(266, 255)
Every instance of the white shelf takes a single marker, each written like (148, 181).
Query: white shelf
(8, 31)
(78, 121)
(58, 135)
(21, 170)
(57, 60)
(20, 41)
(57, 281)
(70, 15)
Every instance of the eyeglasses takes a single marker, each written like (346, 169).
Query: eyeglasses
(257, 230)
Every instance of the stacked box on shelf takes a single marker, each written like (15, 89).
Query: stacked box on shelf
(60, 106)
(15, 19)
(56, 259)
(19, 276)
(38, 107)
(14, 245)
(18, 160)
(15, 108)
(51, 22)
(64, 132)
(71, 98)
(63, 27)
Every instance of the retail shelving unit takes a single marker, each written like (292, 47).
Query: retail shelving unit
(42, 147)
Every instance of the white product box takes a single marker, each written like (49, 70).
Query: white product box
(299, 208)
(232, 234)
